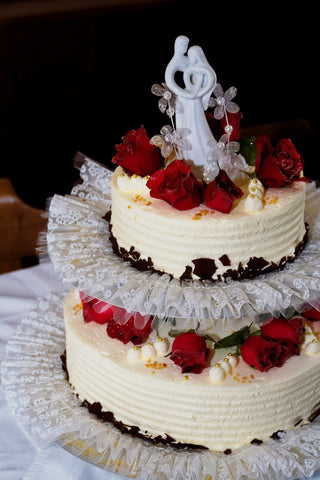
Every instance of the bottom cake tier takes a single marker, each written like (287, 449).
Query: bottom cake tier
(142, 389)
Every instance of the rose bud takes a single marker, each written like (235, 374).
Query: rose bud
(177, 185)
(129, 332)
(280, 328)
(190, 352)
(311, 313)
(137, 155)
(221, 192)
(95, 310)
(264, 353)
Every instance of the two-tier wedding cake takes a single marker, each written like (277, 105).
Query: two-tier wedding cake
(199, 205)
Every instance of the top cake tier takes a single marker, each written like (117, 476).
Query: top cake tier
(201, 243)
(193, 209)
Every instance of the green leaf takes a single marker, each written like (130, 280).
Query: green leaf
(235, 339)
(251, 175)
(176, 333)
(248, 149)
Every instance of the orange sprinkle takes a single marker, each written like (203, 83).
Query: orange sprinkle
(202, 213)
(156, 365)
(77, 308)
(139, 198)
(129, 206)
(272, 200)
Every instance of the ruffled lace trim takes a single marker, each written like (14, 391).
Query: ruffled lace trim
(78, 245)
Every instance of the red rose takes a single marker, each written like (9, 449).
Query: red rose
(95, 310)
(190, 352)
(264, 353)
(176, 185)
(128, 332)
(264, 147)
(278, 328)
(279, 166)
(137, 155)
(221, 192)
(311, 313)
(100, 312)
(279, 340)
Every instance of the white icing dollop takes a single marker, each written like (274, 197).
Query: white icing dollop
(225, 365)
(161, 345)
(255, 186)
(308, 337)
(254, 199)
(217, 374)
(134, 354)
(132, 184)
(311, 344)
(222, 368)
(148, 351)
(233, 360)
(312, 348)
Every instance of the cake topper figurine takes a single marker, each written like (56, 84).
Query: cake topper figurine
(190, 136)
(191, 102)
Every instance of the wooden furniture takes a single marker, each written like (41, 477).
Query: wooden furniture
(20, 226)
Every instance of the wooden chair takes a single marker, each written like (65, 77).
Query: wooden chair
(20, 225)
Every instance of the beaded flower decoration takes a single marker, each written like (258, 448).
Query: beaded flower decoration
(171, 140)
(223, 103)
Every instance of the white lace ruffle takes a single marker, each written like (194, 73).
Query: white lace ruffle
(42, 401)
(78, 245)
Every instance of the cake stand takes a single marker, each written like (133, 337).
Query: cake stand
(40, 397)
(78, 246)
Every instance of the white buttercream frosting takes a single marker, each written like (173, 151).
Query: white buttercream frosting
(173, 238)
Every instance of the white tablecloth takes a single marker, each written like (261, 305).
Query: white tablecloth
(19, 459)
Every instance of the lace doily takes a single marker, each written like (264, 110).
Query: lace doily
(43, 403)
(78, 244)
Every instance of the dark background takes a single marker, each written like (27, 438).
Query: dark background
(77, 79)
